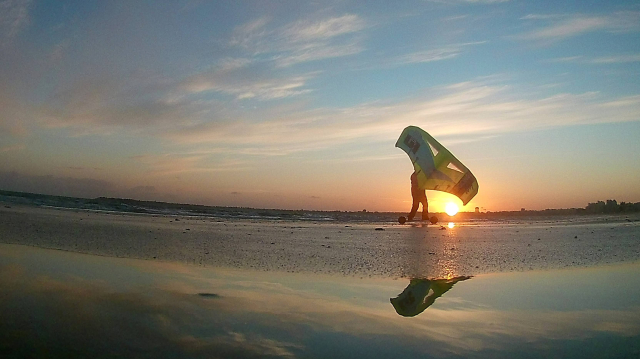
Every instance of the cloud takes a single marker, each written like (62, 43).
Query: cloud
(469, 109)
(455, 18)
(566, 26)
(303, 32)
(59, 186)
(183, 115)
(542, 16)
(319, 51)
(301, 41)
(444, 53)
(178, 163)
(150, 102)
(103, 104)
(14, 17)
(565, 59)
(247, 35)
(242, 83)
(616, 59)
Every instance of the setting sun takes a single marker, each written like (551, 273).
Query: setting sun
(451, 209)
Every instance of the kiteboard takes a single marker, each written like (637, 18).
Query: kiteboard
(403, 220)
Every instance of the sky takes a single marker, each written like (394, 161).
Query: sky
(298, 105)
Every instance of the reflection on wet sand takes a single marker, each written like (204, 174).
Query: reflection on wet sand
(422, 293)
(59, 304)
(433, 254)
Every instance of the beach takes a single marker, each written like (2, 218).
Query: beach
(79, 283)
(384, 249)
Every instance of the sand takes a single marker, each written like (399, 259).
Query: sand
(353, 249)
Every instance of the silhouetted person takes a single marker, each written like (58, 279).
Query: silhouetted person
(419, 196)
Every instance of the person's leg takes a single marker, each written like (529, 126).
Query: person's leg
(425, 208)
(414, 209)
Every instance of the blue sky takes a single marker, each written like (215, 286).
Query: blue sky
(292, 104)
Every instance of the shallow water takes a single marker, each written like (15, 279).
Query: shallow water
(62, 304)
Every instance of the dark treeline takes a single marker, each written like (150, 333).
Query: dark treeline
(612, 206)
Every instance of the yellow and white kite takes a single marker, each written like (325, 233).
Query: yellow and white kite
(436, 167)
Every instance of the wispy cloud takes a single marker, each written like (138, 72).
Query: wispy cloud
(617, 59)
(542, 16)
(465, 111)
(319, 51)
(443, 53)
(303, 31)
(14, 16)
(63, 186)
(468, 110)
(303, 40)
(565, 26)
(102, 102)
(179, 163)
(455, 18)
(564, 59)
(244, 88)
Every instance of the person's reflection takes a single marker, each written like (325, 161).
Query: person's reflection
(421, 293)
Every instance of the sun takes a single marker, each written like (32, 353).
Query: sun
(451, 208)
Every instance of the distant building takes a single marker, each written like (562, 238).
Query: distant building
(522, 209)
(477, 209)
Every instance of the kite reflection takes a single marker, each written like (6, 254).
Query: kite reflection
(421, 293)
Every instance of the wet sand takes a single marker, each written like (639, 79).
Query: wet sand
(65, 304)
(200, 288)
(351, 249)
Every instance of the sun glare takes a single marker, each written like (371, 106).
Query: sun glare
(451, 208)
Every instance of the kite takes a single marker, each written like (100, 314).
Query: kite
(420, 294)
(436, 167)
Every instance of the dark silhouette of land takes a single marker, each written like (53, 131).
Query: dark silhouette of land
(611, 206)
(154, 207)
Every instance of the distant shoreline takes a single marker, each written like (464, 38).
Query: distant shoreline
(126, 205)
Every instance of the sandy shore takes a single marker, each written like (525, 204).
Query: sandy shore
(352, 249)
